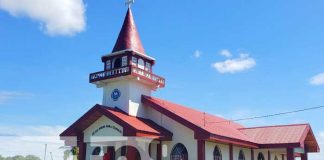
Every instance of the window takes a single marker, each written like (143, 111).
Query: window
(141, 64)
(124, 61)
(241, 155)
(179, 152)
(117, 63)
(96, 151)
(108, 65)
(217, 154)
(260, 156)
(134, 60)
(147, 66)
(276, 158)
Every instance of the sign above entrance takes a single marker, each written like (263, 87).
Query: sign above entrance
(106, 126)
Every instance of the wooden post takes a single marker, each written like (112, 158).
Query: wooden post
(290, 154)
(201, 149)
(82, 147)
(231, 152)
(269, 155)
(159, 151)
(304, 156)
(252, 154)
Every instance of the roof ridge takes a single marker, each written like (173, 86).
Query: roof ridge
(285, 125)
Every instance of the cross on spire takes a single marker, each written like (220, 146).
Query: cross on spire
(129, 3)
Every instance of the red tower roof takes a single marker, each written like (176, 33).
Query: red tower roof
(128, 38)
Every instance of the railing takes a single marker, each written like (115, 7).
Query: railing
(109, 74)
(148, 75)
(98, 76)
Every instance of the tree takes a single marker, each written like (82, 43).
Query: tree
(74, 152)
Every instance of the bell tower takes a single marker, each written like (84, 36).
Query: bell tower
(128, 72)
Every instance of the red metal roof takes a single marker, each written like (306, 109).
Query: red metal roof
(296, 135)
(133, 126)
(129, 38)
(210, 123)
(276, 134)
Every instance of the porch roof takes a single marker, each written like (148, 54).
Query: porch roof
(295, 135)
(133, 126)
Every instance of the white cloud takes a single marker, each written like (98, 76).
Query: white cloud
(317, 79)
(197, 54)
(244, 62)
(226, 53)
(21, 140)
(8, 95)
(57, 17)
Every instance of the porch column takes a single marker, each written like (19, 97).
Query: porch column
(252, 154)
(231, 152)
(290, 154)
(82, 147)
(201, 149)
(304, 156)
(269, 155)
(159, 151)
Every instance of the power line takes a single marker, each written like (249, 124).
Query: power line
(269, 115)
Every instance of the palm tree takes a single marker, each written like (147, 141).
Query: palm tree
(74, 152)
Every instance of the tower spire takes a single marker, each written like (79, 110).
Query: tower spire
(128, 38)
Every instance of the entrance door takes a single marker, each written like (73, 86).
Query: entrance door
(110, 155)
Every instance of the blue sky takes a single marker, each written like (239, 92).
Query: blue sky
(277, 45)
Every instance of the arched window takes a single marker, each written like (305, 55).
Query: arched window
(241, 155)
(260, 156)
(217, 154)
(276, 158)
(117, 63)
(96, 151)
(140, 63)
(179, 152)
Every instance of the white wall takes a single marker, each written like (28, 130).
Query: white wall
(209, 150)
(130, 99)
(102, 132)
(181, 134)
(236, 151)
(273, 153)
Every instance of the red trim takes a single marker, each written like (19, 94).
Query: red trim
(237, 142)
(304, 156)
(198, 131)
(230, 152)
(201, 150)
(97, 111)
(159, 151)
(290, 154)
(82, 147)
(285, 145)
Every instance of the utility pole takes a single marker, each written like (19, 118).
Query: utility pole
(51, 156)
(45, 151)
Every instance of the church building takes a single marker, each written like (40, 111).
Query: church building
(131, 123)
